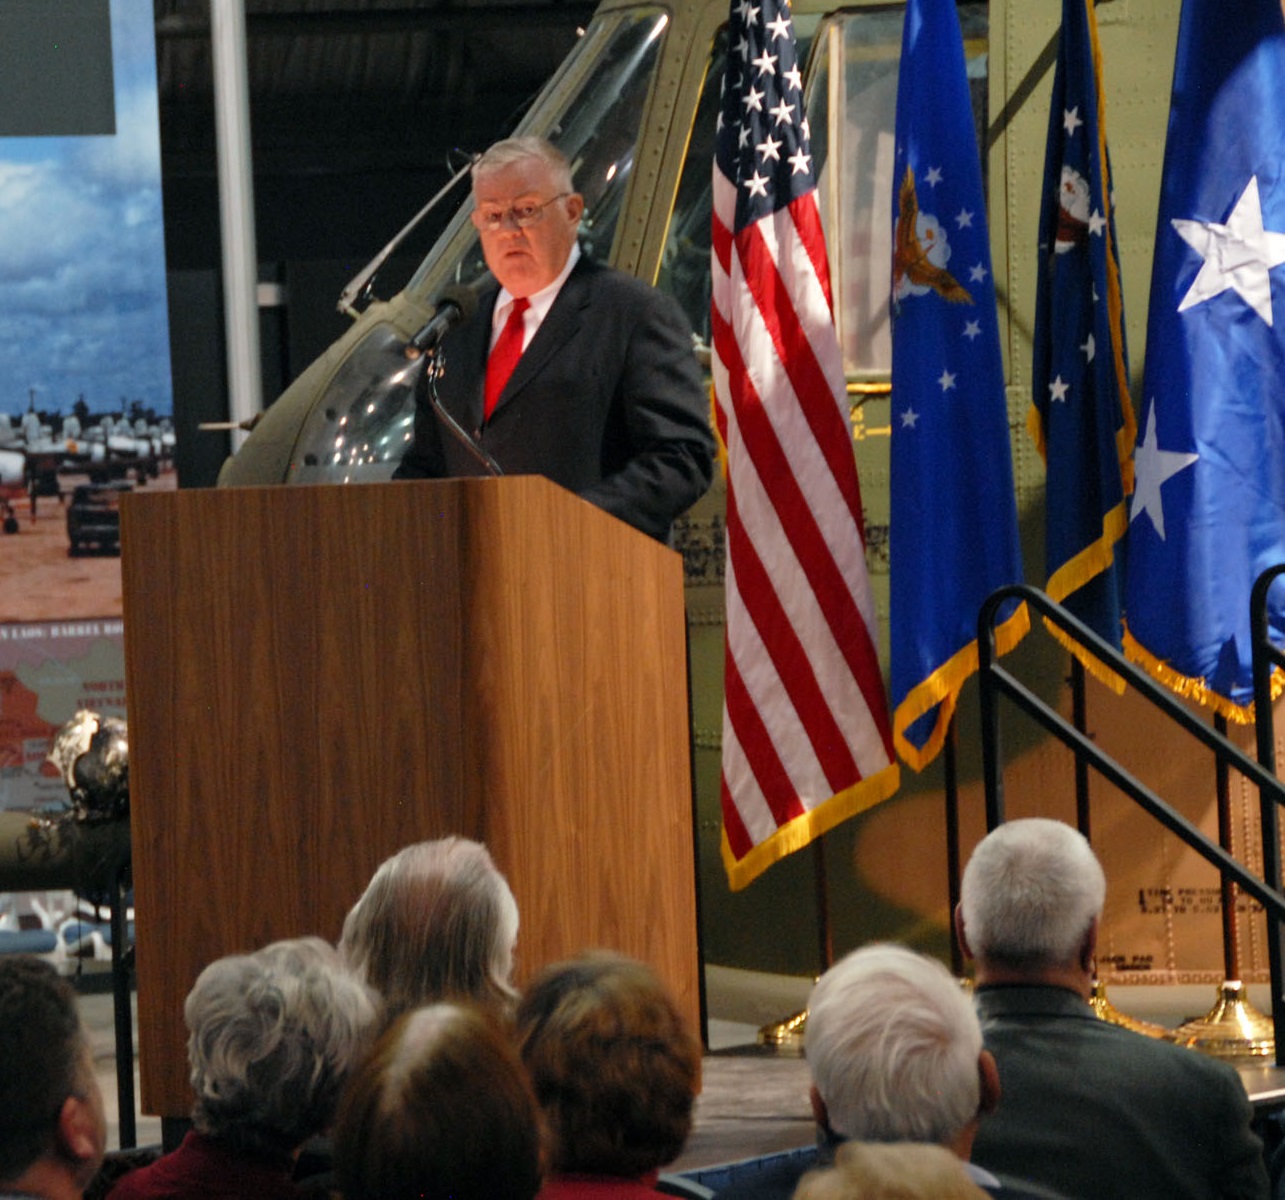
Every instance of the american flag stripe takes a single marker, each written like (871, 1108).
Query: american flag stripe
(810, 499)
(786, 528)
(789, 656)
(774, 275)
(806, 737)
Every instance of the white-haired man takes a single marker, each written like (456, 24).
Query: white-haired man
(570, 370)
(895, 1052)
(1090, 1109)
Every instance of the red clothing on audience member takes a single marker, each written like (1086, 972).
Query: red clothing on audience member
(598, 1187)
(206, 1168)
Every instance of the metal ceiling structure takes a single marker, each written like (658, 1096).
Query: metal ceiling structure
(344, 86)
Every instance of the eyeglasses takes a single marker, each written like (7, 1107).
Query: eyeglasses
(492, 220)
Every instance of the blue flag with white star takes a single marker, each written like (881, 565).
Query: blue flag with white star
(1081, 415)
(1208, 509)
(953, 535)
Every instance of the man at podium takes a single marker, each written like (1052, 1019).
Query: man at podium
(569, 369)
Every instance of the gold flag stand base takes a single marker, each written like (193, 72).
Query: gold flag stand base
(1106, 1011)
(1232, 1029)
(785, 1036)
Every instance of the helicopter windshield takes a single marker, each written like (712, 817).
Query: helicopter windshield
(601, 93)
(363, 422)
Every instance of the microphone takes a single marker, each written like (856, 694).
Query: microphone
(455, 305)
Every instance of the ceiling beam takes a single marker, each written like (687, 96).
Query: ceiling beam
(388, 20)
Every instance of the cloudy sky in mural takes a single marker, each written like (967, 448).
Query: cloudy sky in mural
(82, 254)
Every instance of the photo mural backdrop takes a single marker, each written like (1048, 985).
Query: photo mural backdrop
(86, 405)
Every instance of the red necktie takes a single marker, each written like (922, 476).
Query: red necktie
(504, 356)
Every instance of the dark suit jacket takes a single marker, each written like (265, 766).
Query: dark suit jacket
(1096, 1111)
(607, 400)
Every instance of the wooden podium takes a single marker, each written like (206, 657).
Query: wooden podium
(318, 676)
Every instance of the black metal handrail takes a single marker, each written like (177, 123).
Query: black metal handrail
(1265, 657)
(994, 679)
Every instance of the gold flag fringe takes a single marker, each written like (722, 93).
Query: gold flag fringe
(1196, 689)
(941, 688)
(796, 834)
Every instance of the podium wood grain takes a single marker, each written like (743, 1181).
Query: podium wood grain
(318, 676)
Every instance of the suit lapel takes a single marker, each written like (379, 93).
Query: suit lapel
(562, 323)
(464, 365)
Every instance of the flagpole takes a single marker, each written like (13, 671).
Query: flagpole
(786, 1035)
(1080, 715)
(1233, 1028)
(825, 936)
(951, 765)
(1222, 787)
(1098, 1000)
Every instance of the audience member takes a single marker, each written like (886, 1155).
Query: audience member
(52, 1128)
(615, 1071)
(895, 1052)
(897, 1171)
(442, 1108)
(436, 922)
(1090, 1108)
(273, 1036)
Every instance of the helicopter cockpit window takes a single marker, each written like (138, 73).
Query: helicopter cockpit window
(597, 103)
(592, 109)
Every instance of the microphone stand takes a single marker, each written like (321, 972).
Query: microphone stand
(462, 435)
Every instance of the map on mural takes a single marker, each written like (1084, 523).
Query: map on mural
(49, 670)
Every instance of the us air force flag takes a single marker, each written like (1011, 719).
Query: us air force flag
(1208, 510)
(953, 535)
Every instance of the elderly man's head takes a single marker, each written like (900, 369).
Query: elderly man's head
(52, 1129)
(526, 211)
(272, 1038)
(437, 922)
(1030, 900)
(895, 1051)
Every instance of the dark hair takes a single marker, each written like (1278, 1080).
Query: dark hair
(441, 1108)
(614, 1066)
(42, 1046)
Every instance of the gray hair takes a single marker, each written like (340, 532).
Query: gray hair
(893, 1044)
(437, 921)
(521, 149)
(273, 1036)
(1030, 893)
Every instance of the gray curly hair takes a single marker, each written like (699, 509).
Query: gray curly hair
(273, 1036)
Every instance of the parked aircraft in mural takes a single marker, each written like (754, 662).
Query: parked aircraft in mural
(36, 460)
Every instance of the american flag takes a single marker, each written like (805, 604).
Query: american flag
(806, 737)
